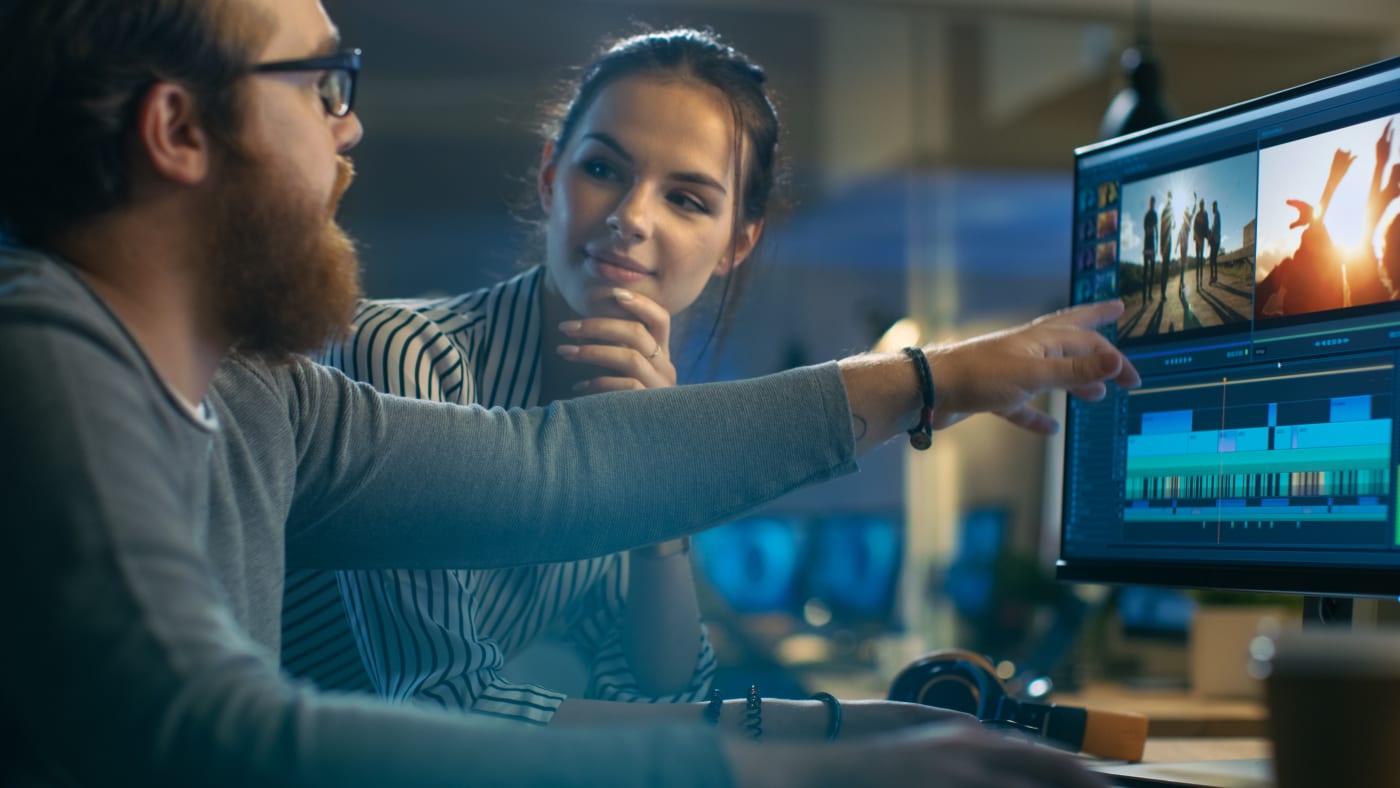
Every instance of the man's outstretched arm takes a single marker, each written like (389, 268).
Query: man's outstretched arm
(384, 482)
(997, 373)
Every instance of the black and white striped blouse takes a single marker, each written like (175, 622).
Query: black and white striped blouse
(442, 637)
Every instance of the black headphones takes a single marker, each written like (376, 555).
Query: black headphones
(967, 682)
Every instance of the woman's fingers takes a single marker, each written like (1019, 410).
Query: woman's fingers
(638, 350)
(627, 361)
(613, 331)
(651, 314)
(600, 384)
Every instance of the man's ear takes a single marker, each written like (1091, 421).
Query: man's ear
(545, 180)
(170, 136)
(743, 246)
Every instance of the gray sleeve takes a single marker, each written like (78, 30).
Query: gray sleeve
(388, 482)
(123, 664)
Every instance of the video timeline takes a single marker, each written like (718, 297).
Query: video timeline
(1274, 455)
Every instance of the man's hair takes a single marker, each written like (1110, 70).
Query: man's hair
(76, 74)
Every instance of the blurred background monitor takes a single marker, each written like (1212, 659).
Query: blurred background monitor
(754, 563)
(853, 568)
(971, 576)
(838, 570)
(1158, 613)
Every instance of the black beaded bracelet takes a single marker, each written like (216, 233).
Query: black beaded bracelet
(753, 714)
(833, 720)
(712, 709)
(921, 436)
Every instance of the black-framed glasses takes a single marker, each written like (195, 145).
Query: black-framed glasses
(336, 87)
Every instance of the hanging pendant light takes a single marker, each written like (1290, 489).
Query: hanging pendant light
(1140, 105)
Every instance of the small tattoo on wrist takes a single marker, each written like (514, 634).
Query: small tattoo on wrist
(858, 425)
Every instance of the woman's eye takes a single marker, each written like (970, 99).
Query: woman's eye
(597, 168)
(689, 203)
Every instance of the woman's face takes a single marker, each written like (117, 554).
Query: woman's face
(642, 197)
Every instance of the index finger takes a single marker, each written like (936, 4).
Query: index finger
(1128, 377)
(651, 314)
(1103, 313)
(1092, 315)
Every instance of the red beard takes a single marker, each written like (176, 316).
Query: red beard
(285, 276)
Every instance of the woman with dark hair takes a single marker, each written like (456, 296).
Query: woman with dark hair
(655, 181)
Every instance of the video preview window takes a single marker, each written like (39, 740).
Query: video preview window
(1187, 249)
(1307, 226)
(1328, 234)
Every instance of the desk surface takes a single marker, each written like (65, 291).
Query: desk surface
(1174, 713)
(1170, 713)
(1222, 763)
(1168, 749)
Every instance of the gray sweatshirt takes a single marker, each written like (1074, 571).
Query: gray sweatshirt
(147, 547)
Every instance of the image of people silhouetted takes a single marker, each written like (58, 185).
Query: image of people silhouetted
(1200, 230)
(1183, 237)
(1149, 247)
(1214, 239)
(1166, 243)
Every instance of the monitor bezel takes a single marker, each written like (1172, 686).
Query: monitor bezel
(1273, 579)
(1248, 105)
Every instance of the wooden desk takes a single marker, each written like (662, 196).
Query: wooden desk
(1168, 749)
(1184, 761)
(1171, 713)
(1174, 713)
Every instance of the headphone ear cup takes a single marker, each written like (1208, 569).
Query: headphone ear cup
(952, 679)
(966, 681)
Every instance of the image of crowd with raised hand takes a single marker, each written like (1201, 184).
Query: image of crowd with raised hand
(1341, 248)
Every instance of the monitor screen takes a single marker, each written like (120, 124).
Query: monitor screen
(755, 563)
(854, 566)
(1257, 251)
(848, 562)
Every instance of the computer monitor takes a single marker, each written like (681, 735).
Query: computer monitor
(848, 562)
(854, 567)
(755, 563)
(1257, 250)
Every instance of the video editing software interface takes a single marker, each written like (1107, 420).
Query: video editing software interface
(1257, 252)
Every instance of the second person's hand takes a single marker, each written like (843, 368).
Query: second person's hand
(1001, 372)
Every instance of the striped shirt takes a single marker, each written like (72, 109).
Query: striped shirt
(442, 637)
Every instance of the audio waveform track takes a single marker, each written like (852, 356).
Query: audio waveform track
(1273, 459)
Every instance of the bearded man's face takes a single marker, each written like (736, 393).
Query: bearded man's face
(284, 276)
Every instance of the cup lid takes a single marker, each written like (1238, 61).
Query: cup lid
(1331, 651)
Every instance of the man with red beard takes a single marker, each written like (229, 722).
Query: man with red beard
(170, 170)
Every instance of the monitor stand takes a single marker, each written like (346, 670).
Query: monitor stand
(1318, 612)
(1345, 612)
(1326, 611)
